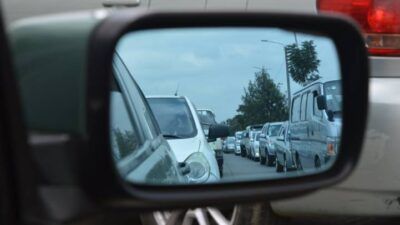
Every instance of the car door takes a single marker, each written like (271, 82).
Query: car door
(315, 124)
(140, 151)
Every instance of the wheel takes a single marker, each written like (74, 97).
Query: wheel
(317, 162)
(260, 213)
(278, 166)
(269, 161)
(285, 169)
(262, 160)
(298, 163)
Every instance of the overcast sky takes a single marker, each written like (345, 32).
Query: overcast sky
(213, 66)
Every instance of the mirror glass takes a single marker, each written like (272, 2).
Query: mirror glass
(205, 105)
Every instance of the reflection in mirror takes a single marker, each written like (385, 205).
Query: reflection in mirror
(204, 105)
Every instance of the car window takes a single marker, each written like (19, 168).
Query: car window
(310, 105)
(273, 130)
(333, 93)
(124, 138)
(317, 112)
(303, 106)
(174, 117)
(296, 109)
(134, 95)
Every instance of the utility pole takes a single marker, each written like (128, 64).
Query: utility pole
(287, 77)
(287, 69)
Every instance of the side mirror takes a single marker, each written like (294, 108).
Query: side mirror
(119, 34)
(330, 115)
(321, 102)
(218, 131)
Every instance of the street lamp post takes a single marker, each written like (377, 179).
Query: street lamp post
(287, 69)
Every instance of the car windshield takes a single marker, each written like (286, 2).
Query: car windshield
(333, 93)
(239, 136)
(206, 117)
(230, 140)
(273, 130)
(173, 116)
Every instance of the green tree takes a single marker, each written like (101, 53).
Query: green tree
(126, 142)
(262, 102)
(303, 62)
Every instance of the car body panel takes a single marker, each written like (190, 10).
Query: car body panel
(265, 142)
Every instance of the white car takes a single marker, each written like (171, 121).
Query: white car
(255, 146)
(238, 138)
(180, 125)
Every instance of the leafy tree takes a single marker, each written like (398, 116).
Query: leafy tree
(262, 102)
(303, 62)
(126, 142)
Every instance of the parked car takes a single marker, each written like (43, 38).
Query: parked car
(316, 122)
(243, 141)
(181, 127)
(249, 137)
(238, 138)
(207, 118)
(267, 152)
(284, 160)
(229, 144)
(255, 146)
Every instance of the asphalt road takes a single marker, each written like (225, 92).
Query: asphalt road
(237, 167)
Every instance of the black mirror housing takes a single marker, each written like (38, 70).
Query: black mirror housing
(102, 181)
(218, 131)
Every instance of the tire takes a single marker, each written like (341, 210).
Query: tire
(259, 213)
(269, 161)
(278, 166)
(262, 160)
(317, 162)
(298, 163)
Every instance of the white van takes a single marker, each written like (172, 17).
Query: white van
(315, 123)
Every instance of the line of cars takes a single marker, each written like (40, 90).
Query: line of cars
(309, 139)
(169, 127)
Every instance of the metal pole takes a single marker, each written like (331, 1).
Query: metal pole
(287, 78)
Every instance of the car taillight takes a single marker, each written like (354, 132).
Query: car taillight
(330, 146)
(379, 20)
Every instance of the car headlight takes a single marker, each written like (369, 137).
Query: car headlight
(199, 168)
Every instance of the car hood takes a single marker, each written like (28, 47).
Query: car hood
(184, 147)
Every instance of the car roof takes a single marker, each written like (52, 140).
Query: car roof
(164, 96)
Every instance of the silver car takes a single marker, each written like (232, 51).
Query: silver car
(267, 152)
